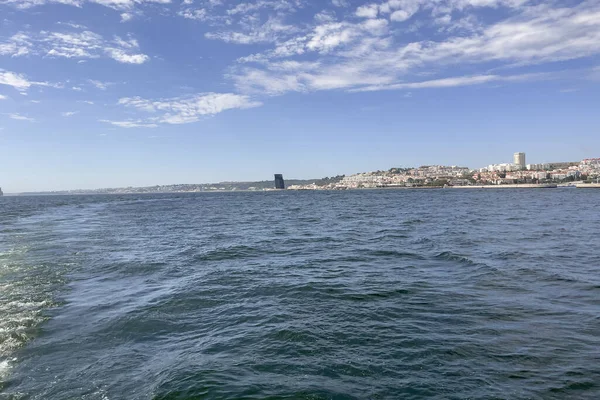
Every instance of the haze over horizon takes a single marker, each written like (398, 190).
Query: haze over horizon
(100, 93)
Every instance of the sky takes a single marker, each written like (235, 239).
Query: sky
(113, 93)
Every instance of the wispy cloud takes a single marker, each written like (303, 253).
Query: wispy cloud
(122, 56)
(72, 25)
(20, 117)
(20, 81)
(183, 110)
(114, 4)
(255, 32)
(454, 82)
(16, 46)
(69, 113)
(199, 14)
(3, 97)
(99, 84)
(126, 16)
(340, 3)
(365, 53)
(130, 124)
(78, 43)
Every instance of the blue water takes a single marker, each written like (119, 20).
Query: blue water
(382, 294)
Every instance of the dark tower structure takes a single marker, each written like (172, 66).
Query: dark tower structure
(279, 182)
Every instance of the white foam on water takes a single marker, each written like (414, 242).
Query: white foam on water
(5, 366)
(14, 327)
(22, 303)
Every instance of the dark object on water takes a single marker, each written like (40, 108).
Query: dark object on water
(279, 182)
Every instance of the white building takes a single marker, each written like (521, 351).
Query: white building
(535, 167)
(501, 167)
(519, 160)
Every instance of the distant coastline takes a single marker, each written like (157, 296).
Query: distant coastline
(117, 192)
(517, 175)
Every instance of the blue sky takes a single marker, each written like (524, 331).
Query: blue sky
(107, 93)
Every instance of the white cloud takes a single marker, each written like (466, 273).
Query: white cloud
(20, 117)
(127, 4)
(367, 55)
(358, 38)
(454, 82)
(199, 14)
(17, 45)
(543, 35)
(3, 97)
(114, 4)
(72, 25)
(69, 113)
(18, 81)
(122, 56)
(87, 102)
(254, 32)
(84, 44)
(183, 110)
(130, 124)
(340, 3)
(400, 15)
(277, 5)
(126, 17)
(76, 88)
(325, 16)
(368, 11)
(255, 80)
(401, 10)
(79, 44)
(99, 84)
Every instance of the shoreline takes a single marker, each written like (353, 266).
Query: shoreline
(511, 186)
(588, 186)
(514, 186)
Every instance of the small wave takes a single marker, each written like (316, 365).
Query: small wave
(345, 259)
(450, 256)
(377, 295)
(228, 253)
(510, 255)
(396, 254)
(411, 222)
(306, 240)
(574, 386)
(290, 335)
(389, 236)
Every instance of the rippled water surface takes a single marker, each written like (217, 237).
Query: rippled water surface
(313, 295)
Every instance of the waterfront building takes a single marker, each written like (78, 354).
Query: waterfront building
(519, 160)
(591, 162)
(500, 167)
(279, 182)
(535, 167)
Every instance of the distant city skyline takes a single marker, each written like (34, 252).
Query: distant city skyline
(515, 162)
(100, 94)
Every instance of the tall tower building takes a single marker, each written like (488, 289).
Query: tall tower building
(519, 159)
(279, 182)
